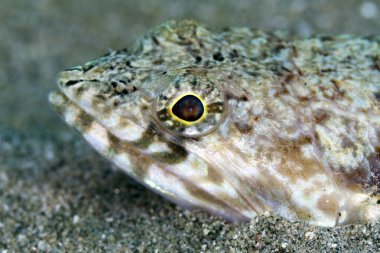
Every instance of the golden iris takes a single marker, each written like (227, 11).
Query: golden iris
(188, 109)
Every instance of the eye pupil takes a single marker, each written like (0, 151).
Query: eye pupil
(188, 108)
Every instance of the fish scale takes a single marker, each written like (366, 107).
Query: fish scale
(291, 125)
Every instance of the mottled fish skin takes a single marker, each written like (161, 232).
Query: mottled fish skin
(292, 124)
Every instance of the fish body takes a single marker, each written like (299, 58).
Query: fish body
(238, 122)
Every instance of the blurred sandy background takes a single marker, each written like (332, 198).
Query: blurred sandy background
(58, 195)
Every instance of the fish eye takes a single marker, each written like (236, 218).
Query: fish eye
(189, 103)
(188, 109)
